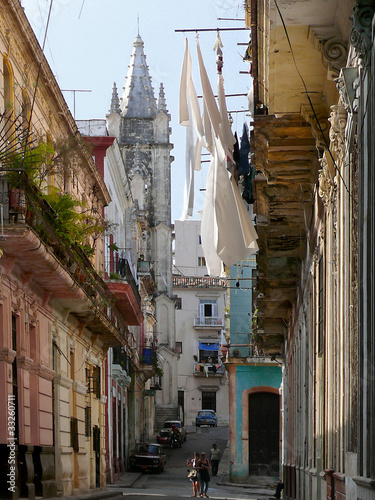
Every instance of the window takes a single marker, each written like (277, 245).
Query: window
(74, 443)
(209, 352)
(208, 308)
(88, 421)
(201, 261)
(178, 303)
(208, 400)
(179, 347)
(199, 239)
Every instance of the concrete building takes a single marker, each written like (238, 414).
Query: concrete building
(58, 317)
(200, 308)
(312, 64)
(254, 387)
(141, 126)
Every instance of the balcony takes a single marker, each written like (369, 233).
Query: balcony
(146, 273)
(208, 369)
(180, 281)
(120, 367)
(121, 282)
(32, 243)
(207, 322)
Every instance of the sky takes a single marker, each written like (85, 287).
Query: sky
(89, 43)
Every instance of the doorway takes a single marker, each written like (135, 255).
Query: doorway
(264, 429)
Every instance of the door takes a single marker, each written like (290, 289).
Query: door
(264, 429)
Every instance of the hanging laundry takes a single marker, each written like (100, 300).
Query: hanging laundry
(243, 166)
(227, 229)
(219, 53)
(236, 150)
(189, 116)
(247, 193)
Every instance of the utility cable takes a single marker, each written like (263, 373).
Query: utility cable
(38, 75)
(310, 102)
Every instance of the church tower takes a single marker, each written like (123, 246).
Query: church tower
(141, 125)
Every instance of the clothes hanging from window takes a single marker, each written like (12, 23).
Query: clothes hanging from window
(243, 164)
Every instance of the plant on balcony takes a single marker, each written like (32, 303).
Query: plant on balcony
(73, 221)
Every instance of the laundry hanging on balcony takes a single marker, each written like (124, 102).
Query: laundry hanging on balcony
(228, 234)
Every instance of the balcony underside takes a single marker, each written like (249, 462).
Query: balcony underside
(287, 158)
(33, 263)
(127, 302)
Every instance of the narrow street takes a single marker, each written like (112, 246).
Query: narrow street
(173, 482)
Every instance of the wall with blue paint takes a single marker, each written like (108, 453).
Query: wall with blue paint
(241, 307)
(248, 377)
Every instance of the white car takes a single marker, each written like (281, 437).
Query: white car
(177, 423)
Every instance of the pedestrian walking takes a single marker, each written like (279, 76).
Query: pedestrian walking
(203, 467)
(214, 459)
(193, 474)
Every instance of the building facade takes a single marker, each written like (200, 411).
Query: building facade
(140, 123)
(200, 309)
(58, 316)
(312, 63)
(254, 387)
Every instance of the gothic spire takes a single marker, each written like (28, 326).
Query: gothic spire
(138, 100)
(162, 105)
(115, 101)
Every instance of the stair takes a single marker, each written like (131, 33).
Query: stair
(163, 413)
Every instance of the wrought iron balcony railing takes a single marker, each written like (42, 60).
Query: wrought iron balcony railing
(208, 322)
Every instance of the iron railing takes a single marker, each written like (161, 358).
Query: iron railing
(199, 282)
(208, 321)
(26, 205)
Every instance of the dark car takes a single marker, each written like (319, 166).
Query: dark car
(206, 417)
(146, 456)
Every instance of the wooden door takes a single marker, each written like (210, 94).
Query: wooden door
(264, 428)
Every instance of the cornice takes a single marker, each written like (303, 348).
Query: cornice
(360, 37)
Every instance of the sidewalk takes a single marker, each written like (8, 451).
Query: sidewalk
(258, 491)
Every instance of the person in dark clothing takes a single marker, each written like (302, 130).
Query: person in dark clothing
(203, 467)
(279, 488)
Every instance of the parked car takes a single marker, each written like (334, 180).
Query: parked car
(206, 417)
(146, 456)
(164, 437)
(177, 423)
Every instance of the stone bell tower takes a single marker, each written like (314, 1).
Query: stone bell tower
(141, 125)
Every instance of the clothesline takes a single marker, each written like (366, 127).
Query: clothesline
(211, 29)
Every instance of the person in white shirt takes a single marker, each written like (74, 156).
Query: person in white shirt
(214, 459)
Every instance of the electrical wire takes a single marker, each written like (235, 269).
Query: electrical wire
(38, 75)
(310, 102)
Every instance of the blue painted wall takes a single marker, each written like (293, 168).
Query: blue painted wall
(241, 306)
(248, 377)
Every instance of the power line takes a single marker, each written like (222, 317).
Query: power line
(310, 102)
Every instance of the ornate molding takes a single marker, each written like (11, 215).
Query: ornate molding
(43, 372)
(24, 362)
(319, 123)
(327, 186)
(63, 381)
(360, 36)
(79, 388)
(346, 87)
(7, 355)
(338, 120)
(327, 39)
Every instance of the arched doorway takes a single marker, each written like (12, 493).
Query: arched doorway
(264, 428)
